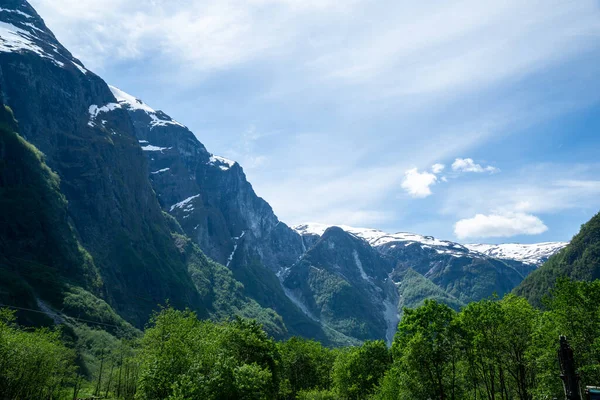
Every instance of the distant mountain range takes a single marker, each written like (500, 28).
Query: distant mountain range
(148, 214)
(533, 254)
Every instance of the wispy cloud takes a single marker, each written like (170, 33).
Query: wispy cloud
(437, 168)
(468, 165)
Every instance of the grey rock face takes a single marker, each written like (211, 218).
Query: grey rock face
(344, 283)
(62, 109)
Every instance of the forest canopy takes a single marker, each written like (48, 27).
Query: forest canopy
(491, 349)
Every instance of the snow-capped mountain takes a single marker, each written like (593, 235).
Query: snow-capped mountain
(534, 254)
(462, 275)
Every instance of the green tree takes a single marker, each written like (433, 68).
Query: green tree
(517, 330)
(184, 358)
(305, 365)
(575, 310)
(358, 370)
(426, 353)
(33, 364)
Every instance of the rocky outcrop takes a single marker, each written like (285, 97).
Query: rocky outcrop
(343, 282)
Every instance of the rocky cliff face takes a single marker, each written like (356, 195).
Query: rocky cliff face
(61, 108)
(217, 207)
(343, 283)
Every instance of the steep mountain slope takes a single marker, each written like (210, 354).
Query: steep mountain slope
(71, 115)
(216, 206)
(414, 289)
(42, 263)
(579, 260)
(343, 282)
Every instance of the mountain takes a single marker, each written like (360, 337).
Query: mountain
(461, 273)
(89, 141)
(532, 254)
(343, 283)
(129, 210)
(353, 274)
(579, 260)
(217, 208)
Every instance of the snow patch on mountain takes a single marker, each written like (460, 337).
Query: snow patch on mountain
(15, 12)
(236, 239)
(223, 163)
(19, 33)
(14, 39)
(533, 254)
(150, 147)
(379, 238)
(184, 204)
(157, 118)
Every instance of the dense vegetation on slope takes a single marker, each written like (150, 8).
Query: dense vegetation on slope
(491, 349)
(224, 296)
(414, 289)
(342, 282)
(580, 260)
(41, 258)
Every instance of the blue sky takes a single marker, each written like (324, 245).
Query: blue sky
(345, 112)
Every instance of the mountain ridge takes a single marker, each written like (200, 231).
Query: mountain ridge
(534, 254)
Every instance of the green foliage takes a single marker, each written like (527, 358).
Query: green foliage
(84, 305)
(39, 245)
(580, 260)
(426, 352)
(317, 395)
(305, 365)
(358, 370)
(182, 357)
(492, 349)
(222, 295)
(33, 364)
(575, 310)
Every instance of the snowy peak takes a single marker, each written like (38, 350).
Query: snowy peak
(533, 254)
(22, 30)
(222, 163)
(376, 237)
(131, 103)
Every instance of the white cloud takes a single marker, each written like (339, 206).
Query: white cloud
(417, 184)
(499, 225)
(468, 165)
(437, 168)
